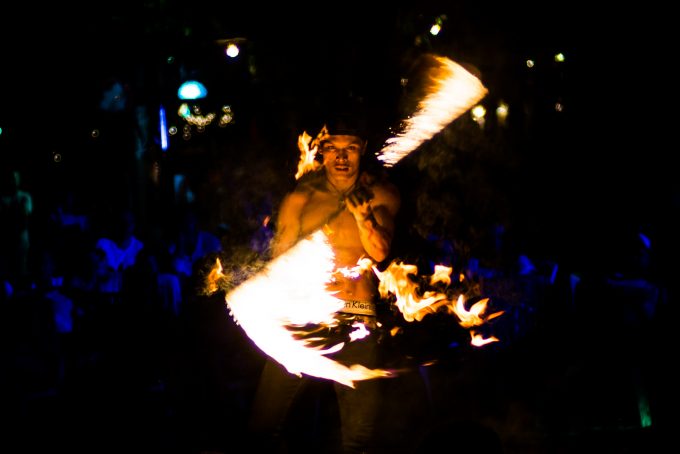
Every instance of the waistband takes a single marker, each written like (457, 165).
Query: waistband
(358, 308)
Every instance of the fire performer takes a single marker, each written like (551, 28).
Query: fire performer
(356, 209)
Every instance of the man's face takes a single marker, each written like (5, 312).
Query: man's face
(342, 154)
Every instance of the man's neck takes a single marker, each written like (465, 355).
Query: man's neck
(341, 185)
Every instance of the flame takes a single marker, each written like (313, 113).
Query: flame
(441, 274)
(291, 292)
(307, 162)
(473, 317)
(479, 341)
(359, 332)
(396, 280)
(308, 149)
(363, 265)
(213, 277)
(454, 91)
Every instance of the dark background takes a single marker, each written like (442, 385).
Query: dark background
(573, 188)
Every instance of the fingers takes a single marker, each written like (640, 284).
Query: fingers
(360, 196)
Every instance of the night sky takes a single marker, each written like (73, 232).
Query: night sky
(595, 155)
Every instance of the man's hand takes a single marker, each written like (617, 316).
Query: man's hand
(359, 203)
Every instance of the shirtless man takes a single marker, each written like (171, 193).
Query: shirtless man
(357, 212)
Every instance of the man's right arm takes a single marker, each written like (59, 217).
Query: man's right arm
(288, 222)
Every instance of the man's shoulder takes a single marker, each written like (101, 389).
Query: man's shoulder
(299, 195)
(308, 185)
(379, 184)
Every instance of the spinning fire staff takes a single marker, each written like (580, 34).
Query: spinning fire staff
(331, 231)
(293, 290)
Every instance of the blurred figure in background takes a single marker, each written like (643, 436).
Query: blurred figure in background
(16, 209)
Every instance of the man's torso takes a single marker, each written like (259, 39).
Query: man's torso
(325, 210)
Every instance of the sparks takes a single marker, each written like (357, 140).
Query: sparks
(454, 91)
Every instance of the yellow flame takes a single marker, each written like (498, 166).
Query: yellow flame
(214, 276)
(396, 280)
(291, 291)
(479, 341)
(308, 149)
(441, 274)
(363, 265)
(454, 91)
(307, 162)
(473, 317)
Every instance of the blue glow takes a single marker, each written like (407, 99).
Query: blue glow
(645, 240)
(164, 129)
(192, 89)
(553, 275)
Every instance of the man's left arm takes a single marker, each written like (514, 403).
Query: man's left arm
(374, 210)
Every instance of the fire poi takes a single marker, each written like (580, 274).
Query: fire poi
(278, 304)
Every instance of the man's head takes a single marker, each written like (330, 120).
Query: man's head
(346, 122)
(341, 154)
(343, 138)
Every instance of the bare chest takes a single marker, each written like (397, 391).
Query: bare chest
(326, 211)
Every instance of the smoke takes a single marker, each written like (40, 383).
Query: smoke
(238, 264)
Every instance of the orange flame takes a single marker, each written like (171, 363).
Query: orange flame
(453, 91)
(396, 280)
(291, 292)
(363, 265)
(307, 162)
(474, 316)
(441, 274)
(308, 149)
(213, 277)
(479, 341)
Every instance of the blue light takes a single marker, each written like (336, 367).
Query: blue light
(164, 129)
(192, 89)
(645, 240)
